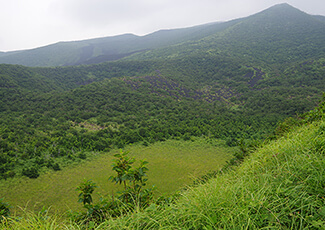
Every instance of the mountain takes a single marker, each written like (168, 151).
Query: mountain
(105, 49)
(236, 85)
(279, 34)
(320, 17)
(233, 81)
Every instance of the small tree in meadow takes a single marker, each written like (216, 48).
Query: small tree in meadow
(86, 189)
(133, 181)
(133, 196)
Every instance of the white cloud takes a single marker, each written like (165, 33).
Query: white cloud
(28, 24)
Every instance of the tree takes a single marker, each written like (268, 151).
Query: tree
(133, 180)
(86, 189)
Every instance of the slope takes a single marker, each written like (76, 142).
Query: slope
(277, 36)
(105, 49)
(219, 100)
(50, 111)
(281, 186)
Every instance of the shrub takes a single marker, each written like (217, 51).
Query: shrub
(31, 172)
(82, 156)
(86, 189)
(133, 180)
(56, 167)
(133, 196)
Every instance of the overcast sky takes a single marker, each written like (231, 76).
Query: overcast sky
(26, 24)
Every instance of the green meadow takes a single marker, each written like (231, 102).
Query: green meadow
(173, 164)
(279, 186)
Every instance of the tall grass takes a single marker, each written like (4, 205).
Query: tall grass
(280, 186)
(32, 220)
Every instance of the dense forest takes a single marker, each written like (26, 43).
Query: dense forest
(235, 103)
(235, 82)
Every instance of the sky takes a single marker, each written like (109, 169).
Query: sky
(27, 24)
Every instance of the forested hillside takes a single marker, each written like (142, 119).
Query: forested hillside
(274, 37)
(54, 116)
(232, 83)
(235, 81)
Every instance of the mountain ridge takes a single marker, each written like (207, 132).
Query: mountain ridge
(269, 37)
(96, 50)
(110, 46)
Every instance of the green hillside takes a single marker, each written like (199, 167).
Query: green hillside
(279, 35)
(44, 112)
(320, 17)
(279, 186)
(232, 88)
(208, 96)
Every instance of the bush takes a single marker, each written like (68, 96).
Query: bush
(82, 156)
(31, 172)
(86, 189)
(56, 167)
(9, 174)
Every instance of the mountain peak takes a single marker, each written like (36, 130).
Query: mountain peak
(283, 5)
(282, 12)
(283, 8)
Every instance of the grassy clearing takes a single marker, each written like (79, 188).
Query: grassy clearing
(172, 165)
(280, 186)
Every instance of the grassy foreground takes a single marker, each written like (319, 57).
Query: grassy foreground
(172, 165)
(280, 186)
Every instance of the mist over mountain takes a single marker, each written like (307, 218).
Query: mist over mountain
(282, 31)
(105, 49)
